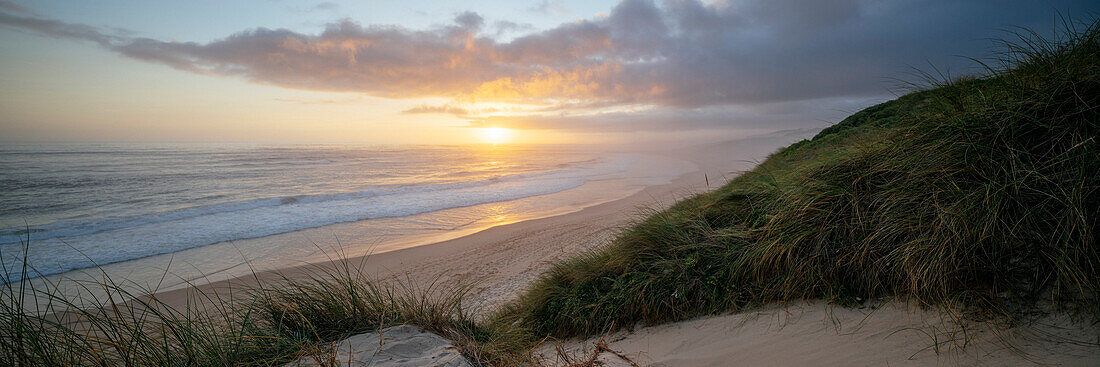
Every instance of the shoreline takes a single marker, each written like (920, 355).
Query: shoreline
(498, 263)
(242, 257)
(501, 260)
(377, 206)
(416, 259)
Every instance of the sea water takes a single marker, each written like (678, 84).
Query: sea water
(80, 206)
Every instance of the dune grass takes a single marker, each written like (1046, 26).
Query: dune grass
(980, 194)
(267, 325)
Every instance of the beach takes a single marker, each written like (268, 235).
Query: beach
(815, 333)
(408, 198)
(500, 261)
(202, 212)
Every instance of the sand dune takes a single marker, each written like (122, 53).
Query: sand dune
(502, 261)
(816, 334)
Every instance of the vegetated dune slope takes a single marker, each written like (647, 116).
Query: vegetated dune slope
(980, 197)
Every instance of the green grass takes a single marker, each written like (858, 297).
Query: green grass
(978, 194)
(268, 325)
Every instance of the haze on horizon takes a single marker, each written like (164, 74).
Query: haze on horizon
(549, 71)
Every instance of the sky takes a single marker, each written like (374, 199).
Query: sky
(455, 72)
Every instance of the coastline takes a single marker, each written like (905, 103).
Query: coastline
(501, 261)
(498, 262)
(417, 206)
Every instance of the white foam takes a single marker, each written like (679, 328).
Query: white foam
(66, 246)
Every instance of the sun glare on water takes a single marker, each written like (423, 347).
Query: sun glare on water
(495, 135)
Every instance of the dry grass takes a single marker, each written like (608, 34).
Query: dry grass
(273, 324)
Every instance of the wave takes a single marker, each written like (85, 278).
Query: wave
(63, 246)
(309, 163)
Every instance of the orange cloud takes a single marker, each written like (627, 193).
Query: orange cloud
(685, 53)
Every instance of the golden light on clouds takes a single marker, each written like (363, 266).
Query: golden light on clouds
(640, 67)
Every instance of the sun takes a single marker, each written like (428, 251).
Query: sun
(495, 135)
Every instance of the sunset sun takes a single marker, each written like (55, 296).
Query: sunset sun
(495, 135)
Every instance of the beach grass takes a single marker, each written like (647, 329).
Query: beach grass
(270, 324)
(978, 195)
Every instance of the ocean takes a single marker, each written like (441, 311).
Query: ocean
(88, 205)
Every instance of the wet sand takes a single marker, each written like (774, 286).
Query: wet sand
(500, 261)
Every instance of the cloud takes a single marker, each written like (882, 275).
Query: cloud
(683, 54)
(503, 27)
(326, 5)
(58, 29)
(14, 8)
(548, 7)
(449, 109)
(796, 114)
(322, 101)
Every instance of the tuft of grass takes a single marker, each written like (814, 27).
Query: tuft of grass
(981, 193)
(269, 325)
(332, 303)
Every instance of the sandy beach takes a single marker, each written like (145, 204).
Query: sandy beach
(500, 261)
(817, 334)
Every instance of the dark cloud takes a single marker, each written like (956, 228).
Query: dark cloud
(13, 7)
(682, 54)
(57, 29)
